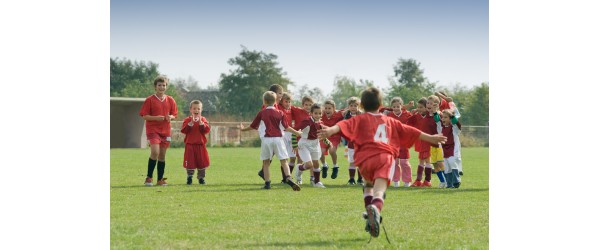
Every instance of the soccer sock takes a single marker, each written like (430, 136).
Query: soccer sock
(441, 176)
(378, 203)
(352, 172)
(201, 173)
(359, 176)
(190, 172)
(368, 199)
(301, 167)
(456, 175)
(161, 169)
(420, 172)
(151, 165)
(449, 179)
(291, 165)
(317, 175)
(428, 174)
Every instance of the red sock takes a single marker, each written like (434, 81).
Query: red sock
(428, 174)
(368, 200)
(420, 172)
(302, 167)
(378, 203)
(317, 173)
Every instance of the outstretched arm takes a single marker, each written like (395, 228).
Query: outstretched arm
(242, 128)
(328, 131)
(435, 139)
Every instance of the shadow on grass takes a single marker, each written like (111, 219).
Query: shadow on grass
(338, 243)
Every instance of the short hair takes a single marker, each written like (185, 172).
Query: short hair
(370, 99)
(307, 99)
(434, 98)
(353, 100)
(397, 99)
(315, 106)
(195, 102)
(286, 96)
(448, 112)
(330, 102)
(422, 101)
(161, 78)
(276, 88)
(269, 97)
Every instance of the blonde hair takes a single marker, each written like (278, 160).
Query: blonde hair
(330, 102)
(269, 97)
(307, 99)
(397, 99)
(286, 96)
(448, 112)
(195, 102)
(433, 98)
(161, 78)
(353, 100)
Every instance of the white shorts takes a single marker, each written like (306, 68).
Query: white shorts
(452, 162)
(350, 155)
(309, 150)
(287, 141)
(270, 146)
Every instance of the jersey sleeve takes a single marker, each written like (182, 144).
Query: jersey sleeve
(173, 105)
(407, 135)
(184, 125)
(283, 122)
(347, 127)
(145, 110)
(256, 122)
(206, 128)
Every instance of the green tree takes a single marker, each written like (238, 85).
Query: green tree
(409, 81)
(315, 93)
(345, 87)
(478, 109)
(241, 90)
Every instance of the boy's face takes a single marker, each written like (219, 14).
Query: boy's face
(306, 105)
(286, 103)
(421, 109)
(160, 87)
(353, 108)
(446, 119)
(397, 107)
(329, 109)
(316, 114)
(196, 109)
(279, 96)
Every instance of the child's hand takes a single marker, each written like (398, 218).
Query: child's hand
(241, 126)
(411, 104)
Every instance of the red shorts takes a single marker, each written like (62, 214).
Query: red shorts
(335, 141)
(424, 155)
(404, 154)
(156, 138)
(195, 156)
(379, 166)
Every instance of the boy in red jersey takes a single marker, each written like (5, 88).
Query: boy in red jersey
(419, 121)
(298, 115)
(289, 138)
(330, 118)
(450, 127)
(195, 127)
(309, 149)
(158, 110)
(278, 90)
(376, 138)
(402, 164)
(270, 122)
(353, 103)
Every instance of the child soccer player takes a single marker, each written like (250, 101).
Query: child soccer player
(158, 110)
(450, 127)
(376, 138)
(437, 155)
(309, 149)
(418, 120)
(330, 118)
(402, 164)
(195, 127)
(290, 139)
(269, 122)
(278, 90)
(353, 103)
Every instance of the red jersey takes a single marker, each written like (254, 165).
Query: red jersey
(403, 118)
(269, 122)
(378, 134)
(299, 114)
(195, 134)
(346, 117)
(287, 114)
(309, 128)
(452, 142)
(331, 121)
(425, 123)
(444, 104)
(154, 106)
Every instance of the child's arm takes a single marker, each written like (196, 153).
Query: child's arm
(242, 128)
(328, 131)
(204, 127)
(435, 139)
(293, 131)
(409, 105)
(186, 126)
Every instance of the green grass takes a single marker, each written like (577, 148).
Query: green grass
(231, 211)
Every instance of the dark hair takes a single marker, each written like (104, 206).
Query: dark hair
(276, 88)
(161, 79)
(423, 101)
(370, 99)
(315, 106)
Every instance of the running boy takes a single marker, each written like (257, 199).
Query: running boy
(158, 110)
(195, 127)
(330, 118)
(309, 149)
(269, 123)
(376, 138)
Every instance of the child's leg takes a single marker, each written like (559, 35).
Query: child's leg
(439, 167)
(406, 171)
(428, 170)
(201, 173)
(190, 175)
(397, 171)
(291, 164)
(266, 171)
(333, 153)
(324, 162)
(154, 151)
(316, 170)
(161, 162)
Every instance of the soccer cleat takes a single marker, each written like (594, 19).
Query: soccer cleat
(407, 184)
(417, 184)
(396, 184)
(334, 173)
(189, 180)
(162, 182)
(360, 181)
(426, 184)
(148, 182)
(267, 186)
(457, 185)
(324, 171)
(460, 173)
(298, 176)
(442, 185)
(294, 186)
(201, 181)
(261, 174)
(351, 181)
(318, 184)
(373, 220)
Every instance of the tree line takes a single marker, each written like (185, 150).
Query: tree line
(240, 89)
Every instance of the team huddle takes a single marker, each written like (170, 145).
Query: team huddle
(378, 140)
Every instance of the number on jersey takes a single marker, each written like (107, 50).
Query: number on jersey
(381, 134)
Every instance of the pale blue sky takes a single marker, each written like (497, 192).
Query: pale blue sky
(314, 40)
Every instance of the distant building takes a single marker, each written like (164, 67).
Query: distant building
(127, 128)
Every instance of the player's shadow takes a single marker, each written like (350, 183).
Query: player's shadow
(338, 243)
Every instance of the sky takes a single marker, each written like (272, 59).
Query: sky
(315, 41)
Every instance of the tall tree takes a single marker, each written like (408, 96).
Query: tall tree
(345, 87)
(315, 93)
(479, 109)
(409, 82)
(243, 87)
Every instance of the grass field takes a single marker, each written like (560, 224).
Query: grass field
(231, 211)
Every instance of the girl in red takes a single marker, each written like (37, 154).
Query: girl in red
(158, 110)
(402, 164)
(195, 127)
(376, 138)
(420, 120)
(330, 117)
